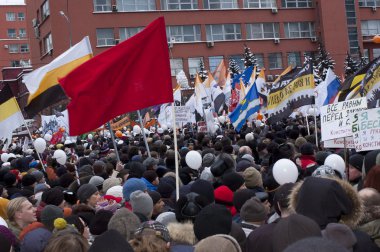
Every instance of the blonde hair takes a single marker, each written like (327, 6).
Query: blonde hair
(14, 206)
(149, 242)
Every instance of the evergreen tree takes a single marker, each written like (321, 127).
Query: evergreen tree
(249, 58)
(233, 67)
(202, 72)
(324, 61)
(350, 66)
(363, 60)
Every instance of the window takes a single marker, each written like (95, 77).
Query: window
(176, 65)
(102, 5)
(299, 30)
(15, 63)
(213, 62)
(10, 16)
(260, 59)
(223, 32)
(369, 3)
(297, 3)
(353, 40)
(126, 33)
(136, 5)
(21, 16)
(220, 4)
(194, 65)
(22, 33)
(370, 27)
(105, 37)
(25, 63)
(13, 48)
(376, 52)
(12, 33)
(45, 10)
(260, 4)
(263, 30)
(294, 59)
(275, 60)
(184, 33)
(24, 48)
(48, 43)
(239, 60)
(179, 4)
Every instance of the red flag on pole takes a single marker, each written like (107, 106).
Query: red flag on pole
(132, 75)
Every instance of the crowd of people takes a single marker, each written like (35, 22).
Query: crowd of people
(100, 201)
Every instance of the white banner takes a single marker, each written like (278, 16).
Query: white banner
(335, 118)
(339, 143)
(182, 114)
(366, 129)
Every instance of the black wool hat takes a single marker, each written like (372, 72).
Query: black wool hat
(307, 149)
(233, 180)
(204, 188)
(111, 240)
(241, 196)
(52, 196)
(356, 161)
(99, 224)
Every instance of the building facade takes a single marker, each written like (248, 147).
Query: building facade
(279, 32)
(14, 42)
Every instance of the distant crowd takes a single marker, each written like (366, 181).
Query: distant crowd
(233, 201)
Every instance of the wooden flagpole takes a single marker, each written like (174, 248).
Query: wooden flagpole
(113, 141)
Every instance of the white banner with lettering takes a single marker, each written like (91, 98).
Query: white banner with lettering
(339, 143)
(335, 118)
(366, 129)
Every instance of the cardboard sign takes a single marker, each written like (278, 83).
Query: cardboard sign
(182, 114)
(339, 143)
(335, 118)
(366, 129)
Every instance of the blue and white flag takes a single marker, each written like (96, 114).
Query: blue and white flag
(326, 92)
(245, 76)
(248, 106)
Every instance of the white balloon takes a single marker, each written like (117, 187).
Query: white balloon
(249, 137)
(285, 171)
(164, 127)
(337, 163)
(4, 157)
(40, 145)
(194, 160)
(48, 137)
(60, 156)
(11, 155)
(160, 131)
(222, 119)
(90, 136)
(136, 129)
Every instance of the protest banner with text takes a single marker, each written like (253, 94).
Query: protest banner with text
(366, 129)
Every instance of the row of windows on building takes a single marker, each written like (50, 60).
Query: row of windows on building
(18, 48)
(150, 5)
(370, 27)
(274, 61)
(20, 63)
(12, 16)
(369, 3)
(214, 32)
(13, 33)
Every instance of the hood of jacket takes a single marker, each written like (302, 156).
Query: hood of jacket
(182, 233)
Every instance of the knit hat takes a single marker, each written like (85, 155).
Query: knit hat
(241, 196)
(165, 188)
(321, 156)
(150, 175)
(324, 171)
(153, 227)
(233, 180)
(96, 181)
(307, 149)
(38, 175)
(141, 203)
(132, 185)
(110, 182)
(116, 191)
(52, 196)
(253, 211)
(252, 178)
(212, 219)
(341, 234)
(35, 240)
(111, 240)
(40, 188)
(208, 159)
(313, 244)
(204, 188)
(99, 224)
(248, 157)
(49, 214)
(28, 180)
(85, 191)
(207, 175)
(150, 161)
(356, 161)
(156, 197)
(219, 242)
(9, 179)
(166, 218)
(300, 141)
(293, 228)
(125, 222)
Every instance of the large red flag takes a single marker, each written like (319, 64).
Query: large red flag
(130, 76)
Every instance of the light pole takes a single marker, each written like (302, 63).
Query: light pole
(68, 23)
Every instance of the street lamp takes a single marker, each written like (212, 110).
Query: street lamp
(68, 23)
